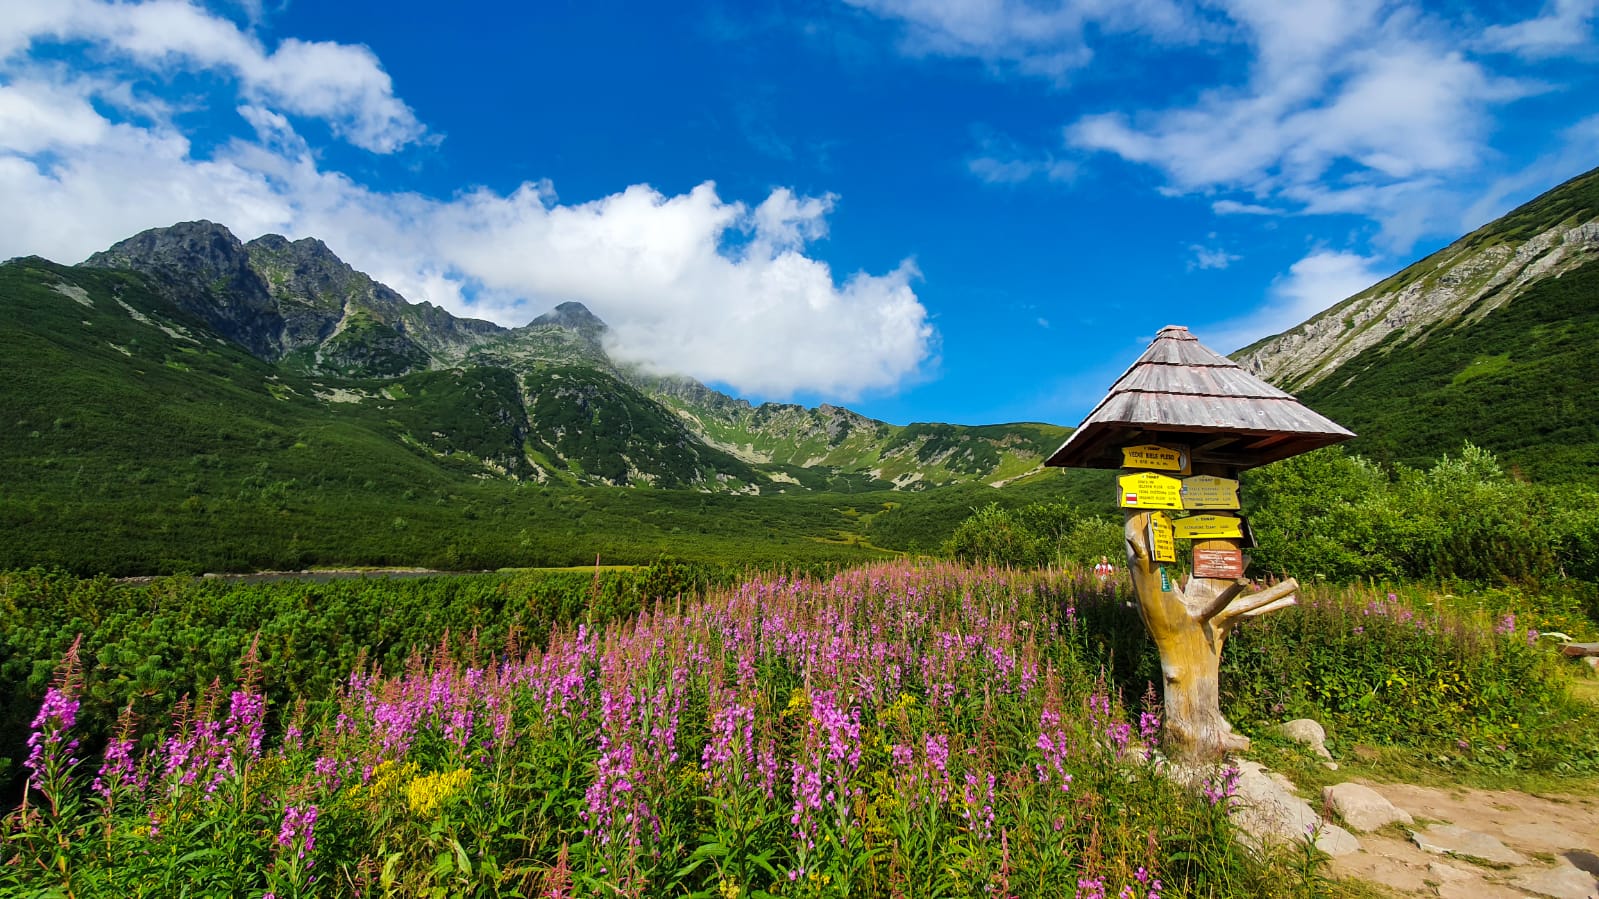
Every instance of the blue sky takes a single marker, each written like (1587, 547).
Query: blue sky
(929, 210)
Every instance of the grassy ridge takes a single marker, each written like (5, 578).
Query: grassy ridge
(1500, 382)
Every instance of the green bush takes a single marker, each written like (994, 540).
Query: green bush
(1331, 516)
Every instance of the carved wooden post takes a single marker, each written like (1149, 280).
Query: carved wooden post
(1183, 408)
(1189, 625)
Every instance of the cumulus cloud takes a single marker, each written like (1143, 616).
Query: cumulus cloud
(690, 283)
(1314, 283)
(342, 84)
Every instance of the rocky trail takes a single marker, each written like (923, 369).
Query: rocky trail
(1410, 840)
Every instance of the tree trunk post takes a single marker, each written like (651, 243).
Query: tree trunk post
(1189, 624)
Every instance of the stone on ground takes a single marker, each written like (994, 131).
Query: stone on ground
(1309, 732)
(1447, 839)
(1563, 881)
(1266, 808)
(1362, 808)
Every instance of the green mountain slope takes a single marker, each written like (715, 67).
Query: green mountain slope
(1522, 381)
(1490, 340)
(297, 305)
(137, 440)
(1470, 278)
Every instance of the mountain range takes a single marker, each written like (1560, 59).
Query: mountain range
(185, 400)
(562, 410)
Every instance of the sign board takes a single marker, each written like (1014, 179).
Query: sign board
(1222, 563)
(1165, 580)
(1207, 527)
(1162, 539)
(1149, 491)
(1155, 456)
(1207, 492)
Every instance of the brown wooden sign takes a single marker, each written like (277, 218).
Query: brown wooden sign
(1221, 563)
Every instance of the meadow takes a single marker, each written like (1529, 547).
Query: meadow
(900, 729)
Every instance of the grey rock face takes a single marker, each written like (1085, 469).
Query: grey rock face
(1307, 732)
(206, 272)
(274, 297)
(1267, 809)
(1563, 881)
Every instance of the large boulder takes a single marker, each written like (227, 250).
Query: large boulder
(1363, 808)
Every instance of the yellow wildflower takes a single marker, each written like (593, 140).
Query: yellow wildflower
(427, 794)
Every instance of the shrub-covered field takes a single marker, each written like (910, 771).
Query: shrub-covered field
(890, 731)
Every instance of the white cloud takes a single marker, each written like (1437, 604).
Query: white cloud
(1210, 257)
(1564, 26)
(1046, 39)
(1001, 160)
(1314, 283)
(1345, 103)
(1016, 170)
(342, 84)
(690, 283)
(1233, 207)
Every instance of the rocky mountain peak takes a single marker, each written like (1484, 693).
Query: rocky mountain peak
(186, 245)
(206, 271)
(573, 316)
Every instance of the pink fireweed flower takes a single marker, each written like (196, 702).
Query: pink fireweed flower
(1053, 743)
(328, 770)
(1222, 786)
(729, 754)
(977, 807)
(49, 749)
(298, 833)
(117, 767)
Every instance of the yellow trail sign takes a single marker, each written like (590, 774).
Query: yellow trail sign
(1155, 456)
(1162, 539)
(1206, 527)
(1207, 492)
(1146, 490)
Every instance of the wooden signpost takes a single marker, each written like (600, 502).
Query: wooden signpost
(1183, 409)
(1162, 538)
(1153, 457)
(1209, 492)
(1146, 490)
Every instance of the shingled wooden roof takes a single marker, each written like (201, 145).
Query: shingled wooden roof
(1181, 393)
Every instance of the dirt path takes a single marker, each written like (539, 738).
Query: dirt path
(1555, 837)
